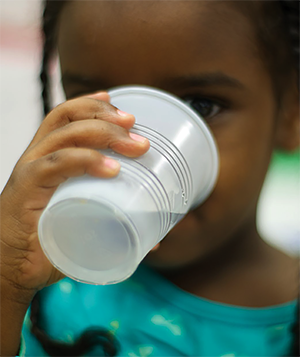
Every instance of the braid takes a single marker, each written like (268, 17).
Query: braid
(90, 338)
(290, 10)
(295, 330)
(50, 17)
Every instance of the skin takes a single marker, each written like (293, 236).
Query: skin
(215, 252)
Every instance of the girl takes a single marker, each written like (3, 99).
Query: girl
(213, 287)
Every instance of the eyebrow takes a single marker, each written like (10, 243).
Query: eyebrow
(219, 79)
(207, 80)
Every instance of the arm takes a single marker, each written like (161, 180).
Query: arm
(14, 304)
(66, 145)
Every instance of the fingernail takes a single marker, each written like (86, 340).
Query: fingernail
(136, 137)
(122, 114)
(156, 247)
(112, 164)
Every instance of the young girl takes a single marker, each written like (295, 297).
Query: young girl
(212, 287)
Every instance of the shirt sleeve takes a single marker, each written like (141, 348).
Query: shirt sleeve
(21, 352)
(29, 345)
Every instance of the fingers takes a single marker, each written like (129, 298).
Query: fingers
(104, 96)
(37, 180)
(67, 142)
(155, 247)
(89, 107)
(90, 134)
(52, 169)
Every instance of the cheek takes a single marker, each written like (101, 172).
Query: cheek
(245, 151)
(245, 144)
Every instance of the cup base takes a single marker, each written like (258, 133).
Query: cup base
(102, 247)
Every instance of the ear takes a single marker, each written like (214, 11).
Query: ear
(288, 126)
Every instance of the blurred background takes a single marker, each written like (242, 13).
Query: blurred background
(21, 113)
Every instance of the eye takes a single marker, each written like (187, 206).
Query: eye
(205, 107)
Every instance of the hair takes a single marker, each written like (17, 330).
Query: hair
(90, 338)
(277, 28)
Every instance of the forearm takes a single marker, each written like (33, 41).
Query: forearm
(14, 304)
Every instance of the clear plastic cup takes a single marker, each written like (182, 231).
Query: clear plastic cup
(98, 230)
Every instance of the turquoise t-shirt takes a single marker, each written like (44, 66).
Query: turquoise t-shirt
(150, 316)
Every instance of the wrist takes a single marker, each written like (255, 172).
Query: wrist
(14, 305)
(15, 294)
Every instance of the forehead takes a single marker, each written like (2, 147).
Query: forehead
(155, 37)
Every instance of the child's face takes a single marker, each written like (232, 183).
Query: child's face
(196, 48)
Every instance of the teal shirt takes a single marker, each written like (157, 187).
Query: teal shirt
(150, 316)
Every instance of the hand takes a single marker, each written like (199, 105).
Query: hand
(64, 146)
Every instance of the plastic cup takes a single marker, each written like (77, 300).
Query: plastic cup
(97, 230)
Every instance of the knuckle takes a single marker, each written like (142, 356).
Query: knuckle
(95, 109)
(108, 132)
(46, 165)
(102, 110)
(62, 114)
(118, 146)
(52, 157)
(79, 109)
(65, 113)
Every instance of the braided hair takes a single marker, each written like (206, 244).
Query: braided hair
(286, 29)
(290, 9)
(50, 18)
(90, 338)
